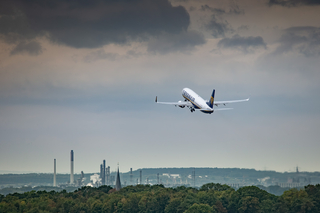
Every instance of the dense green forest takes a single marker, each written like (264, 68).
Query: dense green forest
(210, 197)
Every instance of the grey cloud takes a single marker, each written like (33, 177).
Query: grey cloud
(211, 9)
(99, 55)
(304, 40)
(234, 9)
(15, 27)
(244, 44)
(218, 27)
(90, 24)
(294, 3)
(32, 48)
(133, 53)
(243, 28)
(184, 41)
(217, 24)
(192, 9)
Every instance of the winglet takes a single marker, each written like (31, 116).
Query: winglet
(156, 99)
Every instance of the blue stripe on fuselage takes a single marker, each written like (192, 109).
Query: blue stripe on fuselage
(195, 106)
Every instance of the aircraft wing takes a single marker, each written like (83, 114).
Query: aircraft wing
(179, 103)
(229, 102)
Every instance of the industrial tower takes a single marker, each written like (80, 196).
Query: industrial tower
(71, 172)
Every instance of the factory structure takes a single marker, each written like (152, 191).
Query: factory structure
(71, 168)
(112, 178)
(96, 180)
(106, 177)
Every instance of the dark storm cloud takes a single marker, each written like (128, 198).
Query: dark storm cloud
(90, 24)
(184, 41)
(244, 44)
(293, 3)
(14, 27)
(32, 48)
(304, 40)
(218, 27)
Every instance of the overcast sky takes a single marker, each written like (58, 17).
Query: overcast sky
(83, 75)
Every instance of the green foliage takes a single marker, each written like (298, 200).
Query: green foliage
(220, 208)
(254, 191)
(200, 208)
(145, 198)
(215, 186)
(206, 198)
(266, 206)
(173, 205)
(249, 204)
(314, 194)
(295, 200)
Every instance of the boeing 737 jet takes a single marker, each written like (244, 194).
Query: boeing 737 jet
(194, 102)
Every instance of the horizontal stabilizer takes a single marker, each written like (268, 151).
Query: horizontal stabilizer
(229, 102)
(221, 109)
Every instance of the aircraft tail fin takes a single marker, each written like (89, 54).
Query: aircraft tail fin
(211, 100)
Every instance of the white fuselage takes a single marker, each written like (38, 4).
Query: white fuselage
(196, 100)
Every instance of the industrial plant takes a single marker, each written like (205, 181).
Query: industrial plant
(187, 177)
(95, 180)
(169, 177)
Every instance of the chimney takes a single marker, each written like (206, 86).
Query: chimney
(101, 171)
(104, 173)
(54, 174)
(71, 172)
(140, 177)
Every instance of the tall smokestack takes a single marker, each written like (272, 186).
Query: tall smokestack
(158, 180)
(54, 174)
(101, 171)
(108, 175)
(71, 172)
(140, 177)
(131, 175)
(104, 173)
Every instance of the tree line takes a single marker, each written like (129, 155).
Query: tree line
(211, 198)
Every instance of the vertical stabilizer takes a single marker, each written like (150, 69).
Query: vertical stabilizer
(211, 100)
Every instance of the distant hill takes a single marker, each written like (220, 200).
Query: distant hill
(15, 172)
(175, 176)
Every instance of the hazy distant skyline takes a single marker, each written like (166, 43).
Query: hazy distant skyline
(83, 76)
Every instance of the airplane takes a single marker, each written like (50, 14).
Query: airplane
(194, 102)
